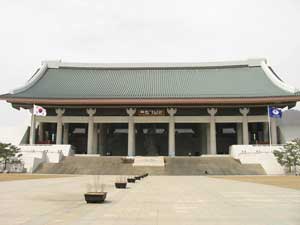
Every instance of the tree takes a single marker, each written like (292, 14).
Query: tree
(289, 155)
(7, 153)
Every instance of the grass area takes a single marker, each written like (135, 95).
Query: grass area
(22, 176)
(280, 181)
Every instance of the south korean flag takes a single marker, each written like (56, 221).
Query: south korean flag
(39, 111)
(275, 112)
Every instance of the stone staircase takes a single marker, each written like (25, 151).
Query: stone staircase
(114, 165)
(217, 165)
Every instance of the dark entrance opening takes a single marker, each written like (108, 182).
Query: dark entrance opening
(257, 134)
(113, 139)
(188, 139)
(78, 137)
(226, 136)
(151, 139)
(49, 134)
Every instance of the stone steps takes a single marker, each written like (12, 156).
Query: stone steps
(113, 165)
(213, 166)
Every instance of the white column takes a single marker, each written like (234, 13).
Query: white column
(131, 132)
(244, 112)
(41, 132)
(207, 138)
(171, 113)
(32, 129)
(273, 131)
(91, 113)
(239, 133)
(95, 139)
(213, 142)
(59, 113)
(203, 135)
(66, 134)
(266, 132)
(102, 135)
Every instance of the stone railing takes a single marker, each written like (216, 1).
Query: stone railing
(33, 155)
(258, 154)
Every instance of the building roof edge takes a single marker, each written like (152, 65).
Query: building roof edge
(276, 80)
(34, 79)
(155, 101)
(55, 64)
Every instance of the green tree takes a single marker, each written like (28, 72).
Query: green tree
(289, 155)
(7, 153)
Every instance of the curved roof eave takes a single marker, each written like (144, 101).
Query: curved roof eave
(165, 101)
(274, 79)
(33, 80)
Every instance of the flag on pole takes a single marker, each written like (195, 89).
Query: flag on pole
(274, 112)
(39, 111)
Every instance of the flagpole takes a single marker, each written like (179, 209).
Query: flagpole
(32, 127)
(269, 122)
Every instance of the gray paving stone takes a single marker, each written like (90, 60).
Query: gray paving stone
(185, 200)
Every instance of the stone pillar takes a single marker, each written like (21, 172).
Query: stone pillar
(41, 132)
(273, 131)
(95, 139)
(212, 133)
(91, 113)
(66, 134)
(244, 112)
(266, 132)
(32, 129)
(102, 136)
(207, 138)
(239, 133)
(59, 113)
(131, 132)
(203, 135)
(171, 113)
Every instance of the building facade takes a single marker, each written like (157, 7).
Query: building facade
(154, 109)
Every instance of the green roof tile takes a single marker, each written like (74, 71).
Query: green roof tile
(153, 83)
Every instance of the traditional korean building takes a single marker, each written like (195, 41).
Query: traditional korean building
(154, 109)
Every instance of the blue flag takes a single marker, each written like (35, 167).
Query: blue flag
(274, 112)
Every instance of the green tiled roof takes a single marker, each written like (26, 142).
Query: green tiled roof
(164, 82)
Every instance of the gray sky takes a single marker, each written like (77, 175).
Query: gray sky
(141, 31)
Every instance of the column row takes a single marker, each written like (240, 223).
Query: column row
(62, 133)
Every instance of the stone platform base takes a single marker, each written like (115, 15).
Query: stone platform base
(114, 165)
(149, 161)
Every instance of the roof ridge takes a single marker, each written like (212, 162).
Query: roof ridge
(60, 64)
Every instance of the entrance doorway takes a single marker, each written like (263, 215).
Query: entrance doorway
(112, 139)
(78, 137)
(226, 136)
(258, 133)
(151, 139)
(188, 138)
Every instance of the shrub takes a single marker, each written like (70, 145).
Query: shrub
(289, 155)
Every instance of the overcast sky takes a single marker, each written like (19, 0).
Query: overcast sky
(141, 31)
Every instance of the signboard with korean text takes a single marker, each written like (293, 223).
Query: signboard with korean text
(151, 112)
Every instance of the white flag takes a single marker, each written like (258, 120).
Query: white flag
(39, 111)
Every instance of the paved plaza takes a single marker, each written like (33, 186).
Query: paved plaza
(153, 200)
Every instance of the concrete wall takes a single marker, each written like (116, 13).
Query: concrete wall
(261, 154)
(34, 155)
(289, 126)
(288, 133)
